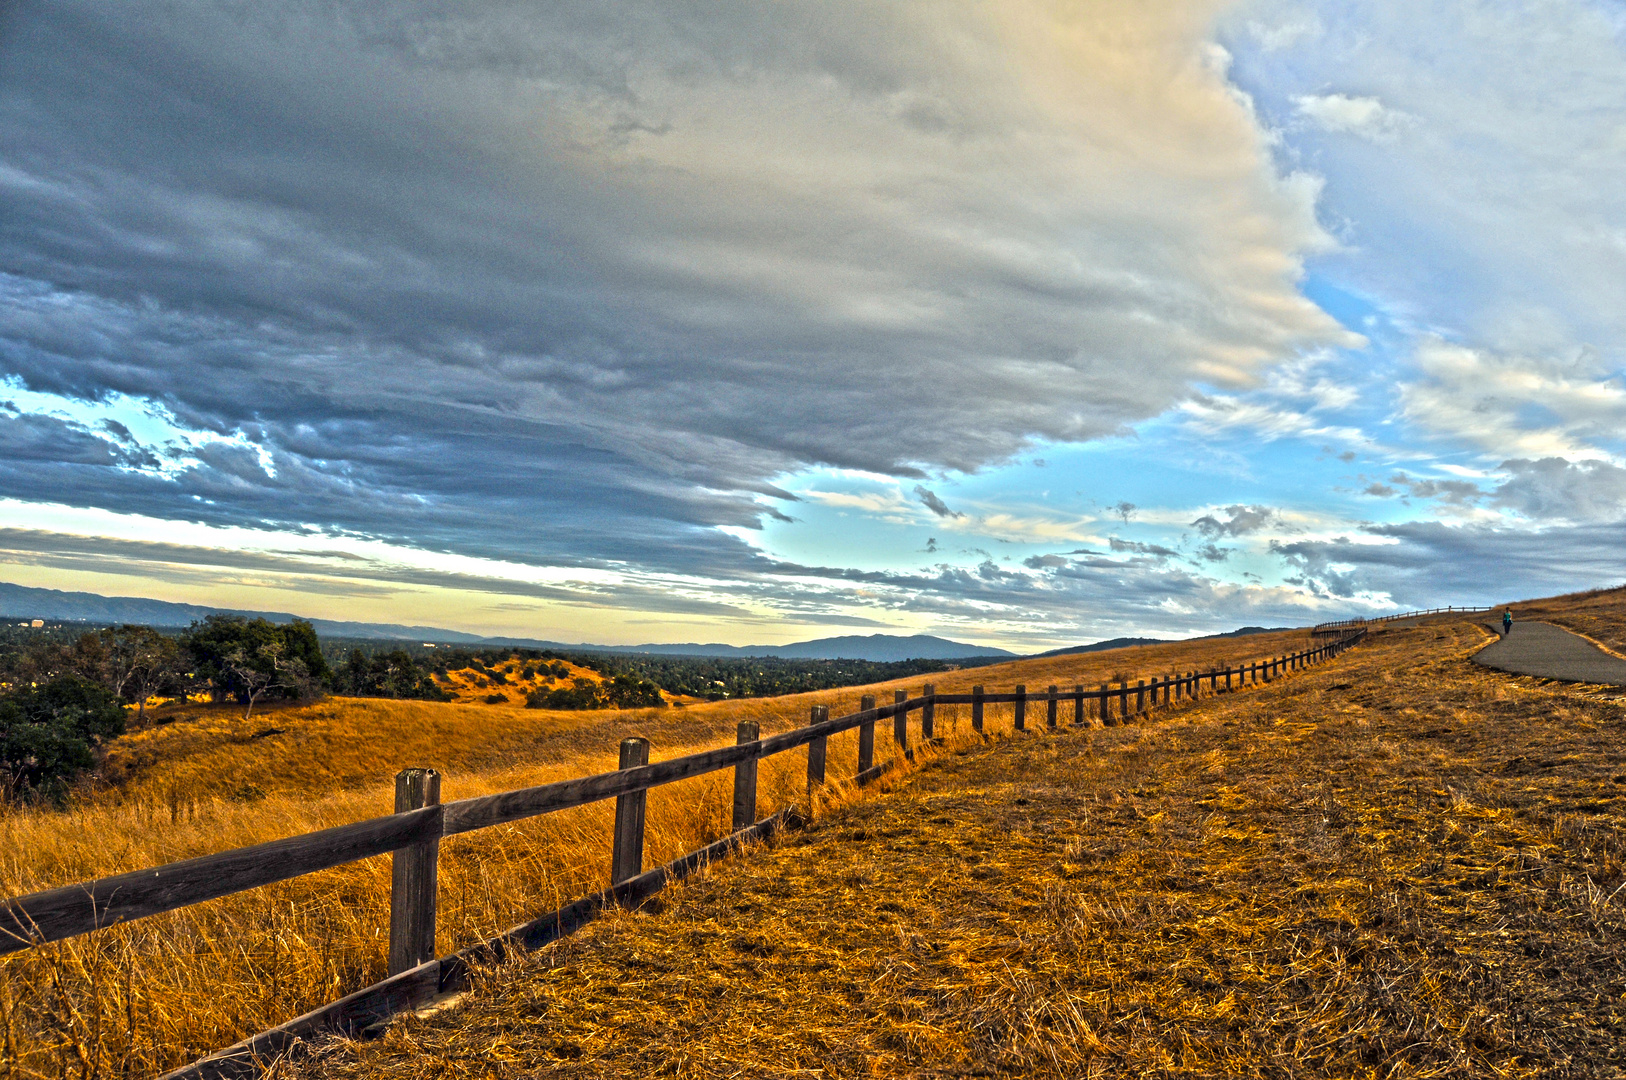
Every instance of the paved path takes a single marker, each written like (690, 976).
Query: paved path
(1542, 649)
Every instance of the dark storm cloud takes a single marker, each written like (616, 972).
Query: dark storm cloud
(574, 285)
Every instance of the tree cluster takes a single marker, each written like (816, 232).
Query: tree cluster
(63, 696)
(716, 678)
(395, 674)
(250, 660)
(621, 692)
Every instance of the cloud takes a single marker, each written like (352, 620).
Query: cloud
(578, 287)
(1240, 521)
(1555, 489)
(1362, 116)
(935, 504)
(1454, 492)
(1140, 548)
(1538, 405)
(1286, 34)
(1498, 215)
(1425, 564)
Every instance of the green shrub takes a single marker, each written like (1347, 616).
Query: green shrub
(48, 733)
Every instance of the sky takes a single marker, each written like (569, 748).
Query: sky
(1023, 323)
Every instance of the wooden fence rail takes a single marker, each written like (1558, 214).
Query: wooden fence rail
(413, 834)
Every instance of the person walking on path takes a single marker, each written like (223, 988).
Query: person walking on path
(1507, 622)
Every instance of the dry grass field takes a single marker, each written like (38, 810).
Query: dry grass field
(134, 1000)
(1396, 864)
(475, 685)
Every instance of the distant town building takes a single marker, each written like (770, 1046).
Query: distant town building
(37, 623)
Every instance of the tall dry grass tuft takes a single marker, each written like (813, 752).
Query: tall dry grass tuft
(137, 999)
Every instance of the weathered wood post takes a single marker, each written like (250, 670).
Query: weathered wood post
(627, 858)
(1123, 700)
(1019, 711)
(1078, 705)
(745, 778)
(816, 749)
(1050, 707)
(1106, 706)
(928, 716)
(866, 735)
(976, 709)
(1140, 698)
(900, 724)
(1227, 680)
(414, 876)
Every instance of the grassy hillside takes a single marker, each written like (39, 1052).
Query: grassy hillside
(1397, 864)
(1192, 829)
(156, 993)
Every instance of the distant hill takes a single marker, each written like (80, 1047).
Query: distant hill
(19, 602)
(1126, 642)
(1102, 646)
(882, 648)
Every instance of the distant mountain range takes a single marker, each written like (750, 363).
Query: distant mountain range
(878, 647)
(20, 602)
(1126, 642)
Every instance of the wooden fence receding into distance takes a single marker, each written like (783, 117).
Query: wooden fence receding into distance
(413, 833)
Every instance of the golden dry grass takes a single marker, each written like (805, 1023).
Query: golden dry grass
(134, 1000)
(1397, 864)
(478, 685)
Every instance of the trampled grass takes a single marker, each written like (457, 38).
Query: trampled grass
(136, 999)
(1397, 864)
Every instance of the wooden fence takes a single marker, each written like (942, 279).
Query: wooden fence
(1349, 624)
(413, 834)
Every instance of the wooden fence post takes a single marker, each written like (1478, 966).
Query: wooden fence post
(1050, 708)
(1123, 699)
(1106, 707)
(414, 877)
(976, 709)
(1140, 698)
(815, 753)
(866, 736)
(745, 778)
(900, 725)
(627, 858)
(928, 716)
(1019, 711)
(1078, 705)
